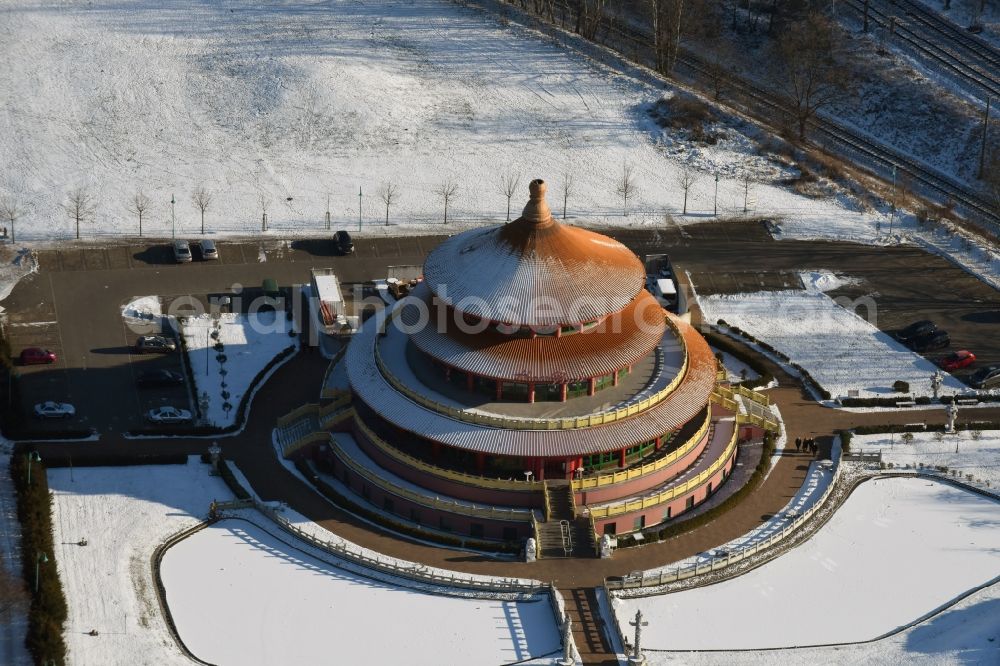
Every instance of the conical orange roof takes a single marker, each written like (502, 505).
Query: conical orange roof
(534, 271)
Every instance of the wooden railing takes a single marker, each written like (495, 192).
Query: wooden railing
(567, 423)
(601, 480)
(298, 413)
(670, 493)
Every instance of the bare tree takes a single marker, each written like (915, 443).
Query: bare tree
(264, 199)
(627, 187)
(139, 205)
(387, 193)
(685, 179)
(509, 182)
(80, 206)
(567, 189)
(811, 67)
(12, 208)
(202, 198)
(589, 17)
(447, 191)
(666, 17)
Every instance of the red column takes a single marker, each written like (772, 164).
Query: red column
(621, 457)
(658, 442)
(592, 386)
(531, 392)
(499, 390)
(540, 469)
(480, 462)
(614, 379)
(571, 466)
(563, 392)
(435, 450)
(468, 381)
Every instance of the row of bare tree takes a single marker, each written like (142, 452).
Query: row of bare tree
(80, 204)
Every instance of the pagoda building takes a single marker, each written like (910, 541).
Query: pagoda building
(530, 386)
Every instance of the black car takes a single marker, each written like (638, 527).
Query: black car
(343, 243)
(915, 330)
(986, 378)
(149, 344)
(159, 378)
(934, 340)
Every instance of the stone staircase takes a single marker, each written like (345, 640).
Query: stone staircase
(292, 435)
(563, 534)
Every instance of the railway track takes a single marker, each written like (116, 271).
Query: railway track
(826, 133)
(958, 53)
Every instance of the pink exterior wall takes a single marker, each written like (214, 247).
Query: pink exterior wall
(530, 498)
(644, 483)
(458, 525)
(625, 523)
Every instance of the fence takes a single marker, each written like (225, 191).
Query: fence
(732, 557)
(568, 423)
(390, 566)
(669, 493)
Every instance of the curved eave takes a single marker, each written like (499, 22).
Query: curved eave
(693, 393)
(530, 275)
(617, 342)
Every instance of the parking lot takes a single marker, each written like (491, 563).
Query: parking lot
(73, 307)
(73, 304)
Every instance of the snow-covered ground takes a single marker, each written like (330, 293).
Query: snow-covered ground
(967, 633)
(280, 605)
(300, 103)
(249, 343)
(839, 348)
(123, 513)
(978, 457)
(736, 370)
(14, 620)
(896, 550)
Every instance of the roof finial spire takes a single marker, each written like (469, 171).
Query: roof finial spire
(537, 209)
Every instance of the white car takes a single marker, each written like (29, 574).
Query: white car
(54, 410)
(168, 415)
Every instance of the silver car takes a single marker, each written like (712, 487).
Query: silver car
(168, 414)
(208, 250)
(182, 251)
(54, 410)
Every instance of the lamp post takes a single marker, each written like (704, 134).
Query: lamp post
(716, 207)
(33, 456)
(39, 558)
(359, 208)
(892, 214)
(173, 221)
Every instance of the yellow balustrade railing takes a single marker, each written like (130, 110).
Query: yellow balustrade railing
(308, 409)
(427, 500)
(567, 423)
(670, 493)
(757, 420)
(460, 477)
(317, 437)
(601, 480)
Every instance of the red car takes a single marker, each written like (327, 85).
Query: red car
(37, 356)
(957, 360)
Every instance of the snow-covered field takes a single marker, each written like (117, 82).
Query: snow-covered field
(123, 513)
(896, 550)
(249, 343)
(965, 634)
(839, 348)
(241, 596)
(296, 102)
(978, 457)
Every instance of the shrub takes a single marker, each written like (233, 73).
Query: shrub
(899, 386)
(47, 613)
(845, 440)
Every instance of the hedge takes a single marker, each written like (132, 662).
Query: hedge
(739, 352)
(677, 528)
(923, 427)
(403, 528)
(47, 613)
(115, 459)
